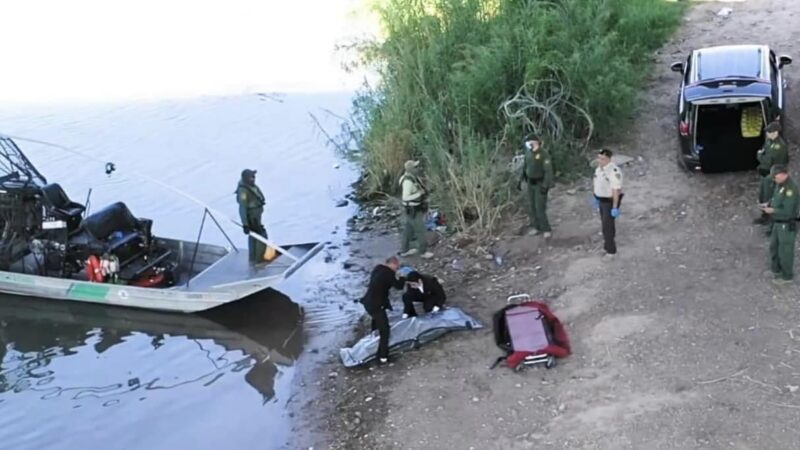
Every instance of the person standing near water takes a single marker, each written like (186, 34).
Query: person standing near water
(416, 208)
(251, 207)
(376, 301)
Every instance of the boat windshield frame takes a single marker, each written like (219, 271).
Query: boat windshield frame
(15, 166)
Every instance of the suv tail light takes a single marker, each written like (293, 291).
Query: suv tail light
(684, 128)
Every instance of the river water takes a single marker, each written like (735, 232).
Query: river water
(84, 376)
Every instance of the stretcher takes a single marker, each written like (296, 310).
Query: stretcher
(529, 334)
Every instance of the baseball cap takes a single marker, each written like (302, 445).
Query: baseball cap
(778, 168)
(605, 152)
(411, 163)
(772, 127)
(248, 172)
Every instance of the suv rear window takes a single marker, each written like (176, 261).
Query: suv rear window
(728, 64)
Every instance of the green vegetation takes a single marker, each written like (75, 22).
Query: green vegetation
(462, 81)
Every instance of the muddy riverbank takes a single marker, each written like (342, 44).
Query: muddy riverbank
(681, 341)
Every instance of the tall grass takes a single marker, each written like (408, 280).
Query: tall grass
(463, 80)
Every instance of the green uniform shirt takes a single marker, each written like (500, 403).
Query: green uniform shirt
(785, 201)
(538, 167)
(249, 198)
(775, 152)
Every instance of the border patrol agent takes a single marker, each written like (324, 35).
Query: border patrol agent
(607, 197)
(414, 200)
(775, 151)
(783, 209)
(537, 173)
(251, 207)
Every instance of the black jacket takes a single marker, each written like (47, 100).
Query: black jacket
(432, 291)
(381, 280)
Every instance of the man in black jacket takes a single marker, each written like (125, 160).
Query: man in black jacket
(424, 289)
(376, 301)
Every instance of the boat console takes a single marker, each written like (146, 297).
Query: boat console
(44, 232)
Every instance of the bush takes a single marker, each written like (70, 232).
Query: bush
(463, 80)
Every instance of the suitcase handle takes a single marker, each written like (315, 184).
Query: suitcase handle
(518, 296)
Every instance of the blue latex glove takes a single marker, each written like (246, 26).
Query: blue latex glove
(405, 270)
(595, 202)
(615, 212)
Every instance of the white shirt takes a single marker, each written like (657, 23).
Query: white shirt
(607, 178)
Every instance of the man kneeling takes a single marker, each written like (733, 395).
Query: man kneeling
(423, 289)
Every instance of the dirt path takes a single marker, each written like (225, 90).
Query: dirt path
(681, 341)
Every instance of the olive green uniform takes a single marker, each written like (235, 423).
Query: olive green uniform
(251, 207)
(537, 172)
(784, 229)
(416, 209)
(774, 152)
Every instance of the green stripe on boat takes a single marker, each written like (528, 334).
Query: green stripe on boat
(89, 291)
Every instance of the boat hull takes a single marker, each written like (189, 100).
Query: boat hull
(111, 294)
(230, 278)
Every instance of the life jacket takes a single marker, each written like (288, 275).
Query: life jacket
(94, 270)
(417, 183)
(256, 197)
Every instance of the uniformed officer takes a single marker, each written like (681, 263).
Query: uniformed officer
(783, 210)
(537, 173)
(775, 151)
(607, 197)
(414, 197)
(251, 207)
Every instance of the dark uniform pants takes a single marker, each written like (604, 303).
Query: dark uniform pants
(414, 229)
(781, 249)
(380, 322)
(256, 248)
(608, 224)
(537, 206)
(413, 295)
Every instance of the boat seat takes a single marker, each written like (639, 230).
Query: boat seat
(114, 230)
(61, 206)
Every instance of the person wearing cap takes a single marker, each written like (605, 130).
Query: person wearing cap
(775, 151)
(537, 173)
(425, 289)
(607, 197)
(415, 202)
(251, 207)
(783, 210)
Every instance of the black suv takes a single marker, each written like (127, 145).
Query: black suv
(728, 94)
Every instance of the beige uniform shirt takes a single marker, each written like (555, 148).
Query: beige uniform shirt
(412, 192)
(607, 178)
